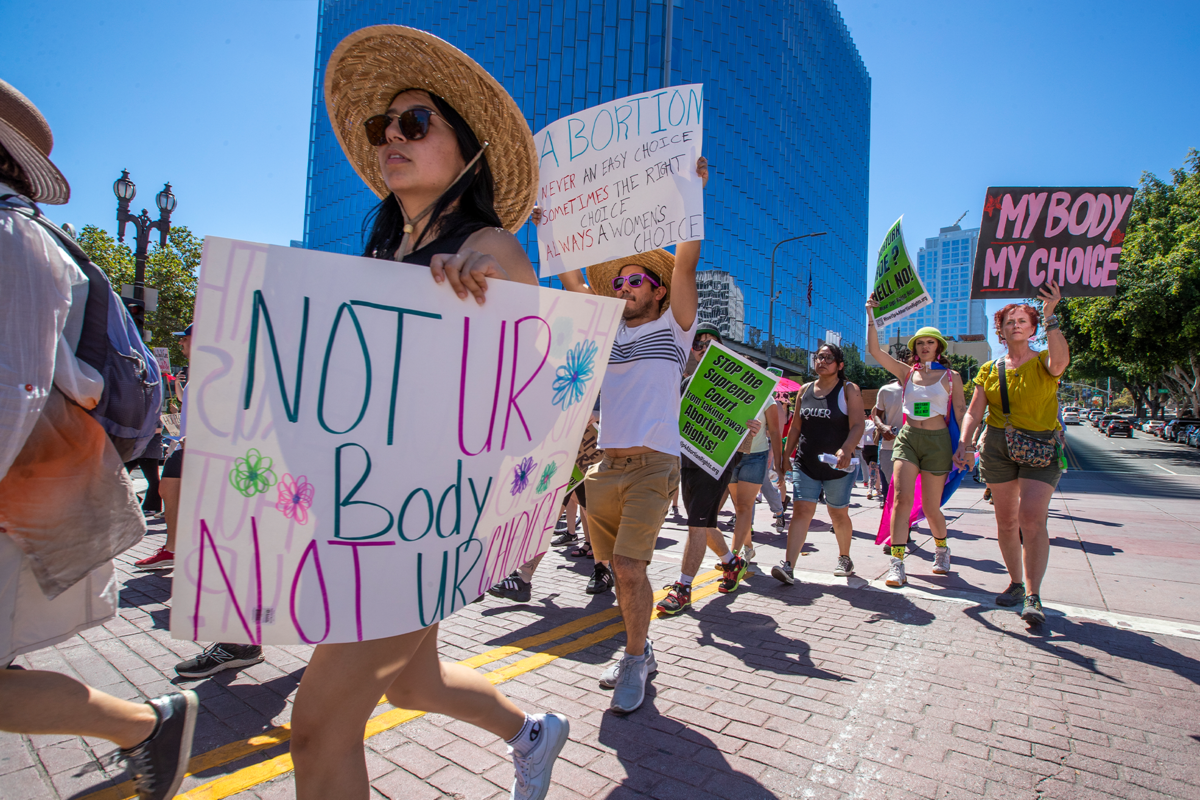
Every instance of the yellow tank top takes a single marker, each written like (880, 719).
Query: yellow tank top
(1032, 395)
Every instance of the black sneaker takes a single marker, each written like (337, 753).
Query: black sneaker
(678, 598)
(601, 581)
(1013, 595)
(158, 765)
(219, 657)
(1033, 612)
(561, 525)
(565, 537)
(512, 588)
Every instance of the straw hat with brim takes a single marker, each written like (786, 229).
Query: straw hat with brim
(660, 262)
(371, 66)
(27, 138)
(928, 333)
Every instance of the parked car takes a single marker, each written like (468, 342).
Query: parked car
(1183, 433)
(1177, 429)
(1193, 438)
(1118, 426)
(1153, 426)
(1071, 418)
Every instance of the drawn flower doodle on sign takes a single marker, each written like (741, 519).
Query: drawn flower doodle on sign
(252, 475)
(521, 475)
(295, 497)
(572, 378)
(547, 474)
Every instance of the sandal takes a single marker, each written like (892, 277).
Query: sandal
(582, 551)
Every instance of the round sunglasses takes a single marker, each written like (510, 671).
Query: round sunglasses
(634, 281)
(413, 124)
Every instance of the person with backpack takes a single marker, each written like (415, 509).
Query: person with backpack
(67, 506)
(930, 397)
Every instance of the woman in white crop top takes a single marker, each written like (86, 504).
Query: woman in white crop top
(923, 446)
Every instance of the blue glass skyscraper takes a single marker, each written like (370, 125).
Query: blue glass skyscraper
(786, 133)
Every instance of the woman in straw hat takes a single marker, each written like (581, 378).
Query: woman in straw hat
(451, 156)
(923, 446)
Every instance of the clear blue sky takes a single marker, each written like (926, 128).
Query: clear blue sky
(216, 98)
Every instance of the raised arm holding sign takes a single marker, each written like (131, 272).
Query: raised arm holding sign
(898, 287)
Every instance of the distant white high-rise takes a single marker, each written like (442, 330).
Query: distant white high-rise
(944, 264)
(722, 303)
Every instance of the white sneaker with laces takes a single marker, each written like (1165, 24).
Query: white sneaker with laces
(941, 561)
(533, 768)
(608, 680)
(896, 576)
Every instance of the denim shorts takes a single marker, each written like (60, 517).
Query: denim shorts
(808, 490)
(752, 469)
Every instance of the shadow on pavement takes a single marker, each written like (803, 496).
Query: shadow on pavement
(663, 758)
(1050, 636)
(755, 640)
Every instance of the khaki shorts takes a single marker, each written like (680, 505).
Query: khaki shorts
(628, 499)
(996, 466)
(931, 451)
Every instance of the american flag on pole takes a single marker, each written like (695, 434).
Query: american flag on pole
(810, 287)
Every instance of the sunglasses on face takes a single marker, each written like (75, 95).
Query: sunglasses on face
(698, 346)
(413, 123)
(823, 359)
(634, 281)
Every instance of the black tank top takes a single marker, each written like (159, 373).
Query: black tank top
(446, 244)
(824, 430)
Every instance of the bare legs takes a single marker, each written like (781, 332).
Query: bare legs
(693, 554)
(1021, 509)
(636, 600)
(34, 702)
(168, 489)
(904, 476)
(743, 494)
(343, 684)
(802, 514)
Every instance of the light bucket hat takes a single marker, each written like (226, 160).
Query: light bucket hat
(26, 136)
(927, 333)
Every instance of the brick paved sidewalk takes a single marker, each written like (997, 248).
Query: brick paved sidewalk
(814, 690)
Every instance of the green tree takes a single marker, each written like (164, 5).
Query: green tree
(171, 270)
(857, 370)
(1148, 334)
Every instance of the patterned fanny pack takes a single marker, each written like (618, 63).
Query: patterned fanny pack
(1023, 448)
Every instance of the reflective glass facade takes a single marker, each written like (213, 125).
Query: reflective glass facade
(787, 128)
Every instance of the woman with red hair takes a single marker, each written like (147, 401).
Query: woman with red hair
(1021, 452)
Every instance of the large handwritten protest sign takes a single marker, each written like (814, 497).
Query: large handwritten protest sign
(620, 178)
(1032, 235)
(898, 288)
(725, 392)
(367, 453)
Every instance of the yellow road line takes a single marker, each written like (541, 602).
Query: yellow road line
(236, 751)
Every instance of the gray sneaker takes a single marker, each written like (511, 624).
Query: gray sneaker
(1033, 612)
(783, 573)
(941, 561)
(845, 567)
(896, 576)
(609, 679)
(533, 769)
(630, 690)
(1012, 596)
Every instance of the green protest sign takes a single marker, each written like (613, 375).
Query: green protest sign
(725, 392)
(898, 288)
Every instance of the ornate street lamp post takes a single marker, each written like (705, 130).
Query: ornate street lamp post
(125, 190)
(771, 304)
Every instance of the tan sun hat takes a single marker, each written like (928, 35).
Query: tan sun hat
(660, 262)
(370, 66)
(26, 136)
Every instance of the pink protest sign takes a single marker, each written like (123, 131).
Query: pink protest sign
(367, 453)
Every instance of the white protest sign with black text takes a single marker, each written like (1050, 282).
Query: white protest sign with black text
(367, 453)
(620, 178)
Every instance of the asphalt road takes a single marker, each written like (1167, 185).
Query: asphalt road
(1089, 450)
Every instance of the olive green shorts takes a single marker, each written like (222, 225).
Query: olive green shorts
(931, 451)
(996, 466)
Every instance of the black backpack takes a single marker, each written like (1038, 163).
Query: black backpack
(109, 342)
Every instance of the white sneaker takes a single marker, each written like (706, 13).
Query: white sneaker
(533, 769)
(630, 690)
(895, 576)
(608, 680)
(748, 552)
(941, 561)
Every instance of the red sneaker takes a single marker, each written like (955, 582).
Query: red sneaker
(162, 559)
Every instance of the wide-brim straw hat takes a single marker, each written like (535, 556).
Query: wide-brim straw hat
(660, 262)
(372, 65)
(26, 136)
